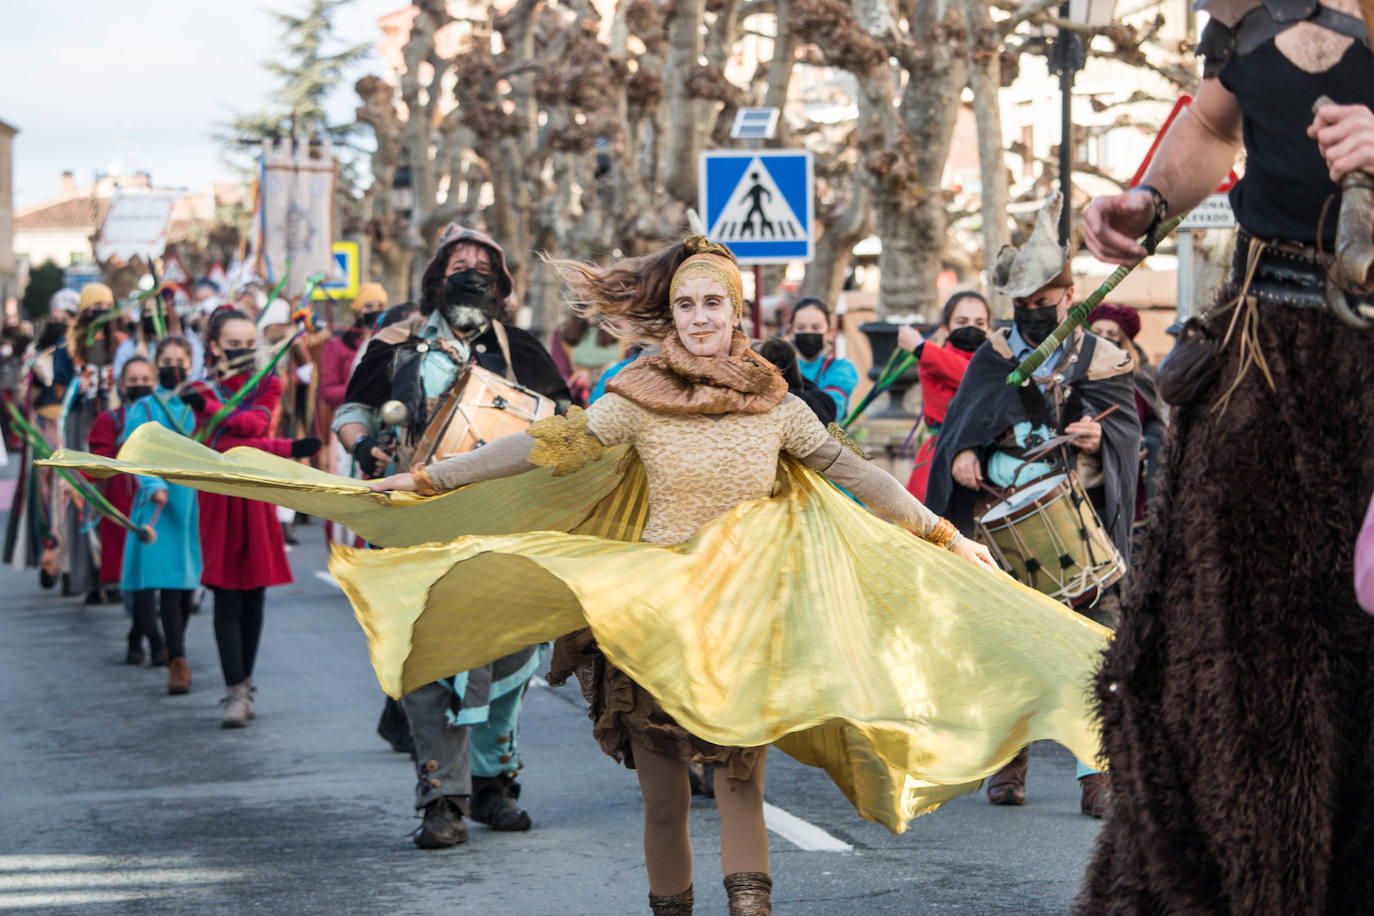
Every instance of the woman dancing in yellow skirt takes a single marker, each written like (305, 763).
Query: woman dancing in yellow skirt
(708, 419)
(713, 593)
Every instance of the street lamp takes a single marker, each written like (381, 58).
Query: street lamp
(1068, 58)
(402, 192)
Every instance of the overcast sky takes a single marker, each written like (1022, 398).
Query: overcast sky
(92, 84)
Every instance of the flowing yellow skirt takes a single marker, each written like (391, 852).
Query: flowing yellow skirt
(801, 620)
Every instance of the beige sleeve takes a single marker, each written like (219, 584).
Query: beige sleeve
(878, 490)
(802, 433)
(613, 420)
(504, 457)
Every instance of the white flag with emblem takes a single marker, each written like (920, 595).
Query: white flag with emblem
(757, 211)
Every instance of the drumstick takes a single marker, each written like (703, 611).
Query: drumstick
(1057, 441)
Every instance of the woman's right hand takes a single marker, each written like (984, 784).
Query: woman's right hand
(404, 481)
(908, 338)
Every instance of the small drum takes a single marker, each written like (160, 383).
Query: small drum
(486, 407)
(1048, 536)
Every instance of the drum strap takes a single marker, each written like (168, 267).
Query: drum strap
(499, 330)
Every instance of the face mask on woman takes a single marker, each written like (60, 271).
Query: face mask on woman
(809, 345)
(170, 376)
(968, 338)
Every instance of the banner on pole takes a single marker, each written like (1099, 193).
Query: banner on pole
(297, 212)
(136, 225)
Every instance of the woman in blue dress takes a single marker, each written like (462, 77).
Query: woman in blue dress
(170, 563)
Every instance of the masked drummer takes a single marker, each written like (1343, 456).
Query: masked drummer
(464, 728)
(993, 431)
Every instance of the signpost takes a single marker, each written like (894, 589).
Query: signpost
(342, 283)
(761, 205)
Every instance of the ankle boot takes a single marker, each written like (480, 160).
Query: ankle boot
(235, 705)
(672, 904)
(749, 893)
(178, 676)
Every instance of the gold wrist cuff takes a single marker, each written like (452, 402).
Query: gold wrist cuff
(423, 485)
(943, 534)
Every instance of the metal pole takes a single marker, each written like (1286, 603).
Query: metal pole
(1066, 68)
(756, 309)
(1183, 309)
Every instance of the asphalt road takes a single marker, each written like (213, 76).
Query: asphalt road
(117, 798)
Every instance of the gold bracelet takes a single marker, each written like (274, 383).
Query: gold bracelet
(943, 533)
(423, 485)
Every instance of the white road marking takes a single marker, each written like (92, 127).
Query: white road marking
(324, 576)
(800, 833)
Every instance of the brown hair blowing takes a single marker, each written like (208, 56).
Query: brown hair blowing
(628, 298)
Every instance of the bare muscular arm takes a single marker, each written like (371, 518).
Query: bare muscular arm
(1194, 157)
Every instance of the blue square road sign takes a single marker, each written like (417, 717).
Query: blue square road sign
(759, 203)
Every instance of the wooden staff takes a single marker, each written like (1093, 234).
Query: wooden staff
(40, 448)
(1079, 313)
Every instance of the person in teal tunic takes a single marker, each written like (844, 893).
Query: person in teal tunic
(170, 564)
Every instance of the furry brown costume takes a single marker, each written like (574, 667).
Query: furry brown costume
(1238, 697)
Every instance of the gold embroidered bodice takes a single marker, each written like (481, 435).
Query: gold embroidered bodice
(700, 467)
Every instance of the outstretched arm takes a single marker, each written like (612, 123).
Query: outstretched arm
(504, 457)
(887, 498)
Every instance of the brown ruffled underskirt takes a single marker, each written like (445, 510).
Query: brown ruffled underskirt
(624, 714)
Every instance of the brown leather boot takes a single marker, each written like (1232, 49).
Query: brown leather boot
(1008, 785)
(178, 676)
(749, 893)
(1097, 791)
(672, 904)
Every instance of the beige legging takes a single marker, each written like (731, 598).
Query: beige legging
(667, 792)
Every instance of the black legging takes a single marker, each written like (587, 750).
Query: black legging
(238, 627)
(144, 623)
(176, 610)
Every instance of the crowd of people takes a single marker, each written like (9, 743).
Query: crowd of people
(653, 441)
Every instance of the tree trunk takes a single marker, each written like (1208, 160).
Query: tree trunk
(985, 79)
(683, 141)
(913, 226)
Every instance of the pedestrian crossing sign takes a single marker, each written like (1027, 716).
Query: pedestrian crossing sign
(759, 203)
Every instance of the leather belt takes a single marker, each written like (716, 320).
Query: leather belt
(1287, 273)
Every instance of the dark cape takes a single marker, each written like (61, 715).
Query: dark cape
(985, 406)
(390, 366)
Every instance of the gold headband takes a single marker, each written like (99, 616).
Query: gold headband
(715, 266)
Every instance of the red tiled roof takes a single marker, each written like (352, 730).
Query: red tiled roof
(71, 213)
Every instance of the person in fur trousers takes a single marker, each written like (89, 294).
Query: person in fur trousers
(1236, 698)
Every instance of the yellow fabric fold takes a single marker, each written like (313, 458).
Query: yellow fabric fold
(536, 500)
(905, 672)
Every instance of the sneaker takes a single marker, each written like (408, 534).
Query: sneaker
(442, 825)
(494, 803)
(235, 705)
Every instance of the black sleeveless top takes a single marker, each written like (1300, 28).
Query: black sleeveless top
(1286, 180)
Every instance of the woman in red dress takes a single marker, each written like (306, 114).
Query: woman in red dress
(943, 357)
(241, 541)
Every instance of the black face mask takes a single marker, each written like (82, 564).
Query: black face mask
(1035, 324)
(136, 392)
(469, 301)
(237, 358)
(809, 345)
(370, 319)
(170, 376)
(968, 338)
